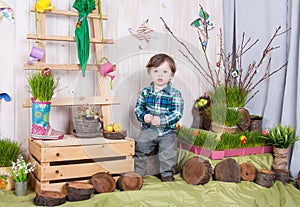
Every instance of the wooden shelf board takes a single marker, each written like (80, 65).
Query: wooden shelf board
(66, 38)
(72, 13)
(79, 101)
(41, 66)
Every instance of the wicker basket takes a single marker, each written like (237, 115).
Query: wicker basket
(87, 128)
(114, 135)
(218, 128)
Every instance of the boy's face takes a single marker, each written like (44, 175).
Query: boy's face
(161, 75)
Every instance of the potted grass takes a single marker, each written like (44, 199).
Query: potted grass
(224, 110)
(9, 152)
(281, 137)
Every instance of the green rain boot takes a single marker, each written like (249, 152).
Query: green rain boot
(41, 128)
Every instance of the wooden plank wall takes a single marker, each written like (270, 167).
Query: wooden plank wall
(130, 61)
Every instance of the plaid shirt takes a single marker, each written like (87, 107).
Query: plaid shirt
(166, 103)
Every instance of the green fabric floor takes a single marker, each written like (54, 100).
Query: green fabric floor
(179, 193)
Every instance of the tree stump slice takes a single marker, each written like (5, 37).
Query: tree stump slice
(103, 182)
(130, 181)
(49, 198)
(152, 163)
(245, 121)
(227, 170)
(77, 197)
(297, 183)
(282, 175)
(78, 191)
(280, 158)
(247, 171)
(80, 188)
(196, 171)
(265, 178)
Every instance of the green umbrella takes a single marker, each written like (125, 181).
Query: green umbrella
(84, 7)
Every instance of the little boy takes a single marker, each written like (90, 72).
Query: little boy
(159, 107)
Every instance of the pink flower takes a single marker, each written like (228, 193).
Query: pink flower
(265, 132)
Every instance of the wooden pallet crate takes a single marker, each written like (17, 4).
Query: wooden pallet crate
(75, 159)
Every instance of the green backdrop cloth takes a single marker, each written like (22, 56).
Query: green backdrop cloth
(179, 193)
(84, 7)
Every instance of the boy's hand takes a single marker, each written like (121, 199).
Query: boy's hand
(148, 118)
(155, 121)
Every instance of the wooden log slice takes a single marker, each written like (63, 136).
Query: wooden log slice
(49, 198)
(297, 183)
(196, 171)
(265, 178)
(245, 121)
(152, 163)
(227, 170)
(77, 197)
(282, 175)
(103, 182)
(130, 181)
(80, 188)
(247, 171)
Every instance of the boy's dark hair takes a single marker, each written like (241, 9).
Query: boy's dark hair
(158, 59)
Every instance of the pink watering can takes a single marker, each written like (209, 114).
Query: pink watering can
(36, 54)
(106, 68)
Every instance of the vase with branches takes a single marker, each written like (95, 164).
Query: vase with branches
(229, 76)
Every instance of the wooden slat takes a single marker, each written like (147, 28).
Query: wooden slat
(78, 101)
(103, 81)
(71, 13)
(66, 38)
(41, 66)
(69, 171)
(58, 154)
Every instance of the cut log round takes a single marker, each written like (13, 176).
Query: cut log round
(152, 163)
(49, 198)
(227, 170)
(77, 197)
(78, 191)
(80, 188)
(130, 181)
(196, 171)
(297, 183)
(103, 182)
(245, 121)
(282, 175)
(247, 171)
(265, 178)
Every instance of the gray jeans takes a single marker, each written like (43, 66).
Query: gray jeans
(167, 154)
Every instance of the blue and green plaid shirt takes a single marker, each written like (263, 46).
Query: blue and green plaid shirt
(167, 104)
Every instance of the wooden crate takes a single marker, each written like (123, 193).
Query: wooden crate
(74, 159)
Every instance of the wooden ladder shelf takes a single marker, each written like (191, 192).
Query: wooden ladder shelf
(104, 100)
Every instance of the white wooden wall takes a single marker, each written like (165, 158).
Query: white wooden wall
(131, 76)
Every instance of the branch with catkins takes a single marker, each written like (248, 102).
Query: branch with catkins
(232, 62)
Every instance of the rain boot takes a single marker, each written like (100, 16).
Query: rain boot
(41, 128)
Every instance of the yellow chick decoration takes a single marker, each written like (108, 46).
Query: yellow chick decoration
(43, 5)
